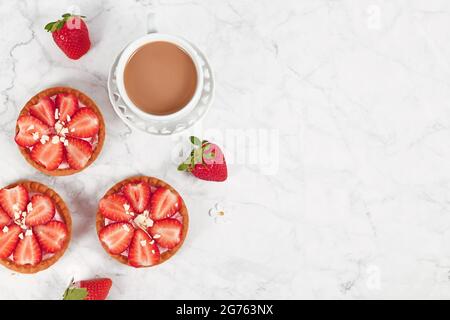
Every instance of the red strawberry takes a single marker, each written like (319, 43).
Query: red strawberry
(44, 110)
(95, 289)
(27, 250)
(117, 236)
(164, 204)
(31, 130)
(5, 219)
(206, 161)
(9, 237)
(143, 250)
(67, 105)
(138, 194)
(51, 236)
(167, 232)
(43, 210)
(115, 207)
(14, 199)
(71, 35)
(78, 153)
(84, 124)
(49, 154)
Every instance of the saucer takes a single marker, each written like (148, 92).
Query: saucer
(164, 127)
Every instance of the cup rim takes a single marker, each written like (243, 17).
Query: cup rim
(131, 48)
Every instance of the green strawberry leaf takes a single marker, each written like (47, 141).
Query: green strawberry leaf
(66, 15)
(183, 167)
(75, 294)
(198, 156)
(195, 141)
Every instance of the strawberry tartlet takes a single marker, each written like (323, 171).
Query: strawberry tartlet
(35, 227)
(60, 131)
(142, 221)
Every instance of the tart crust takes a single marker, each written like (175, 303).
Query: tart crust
(87, 102)
(64, 213)
(153, 182)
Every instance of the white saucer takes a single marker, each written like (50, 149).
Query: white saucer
(164, 127)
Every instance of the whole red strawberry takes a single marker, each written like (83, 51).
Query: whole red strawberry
(71, 35)
(206, 161)
(95, 289)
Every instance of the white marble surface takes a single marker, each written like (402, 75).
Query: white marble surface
(353, 200)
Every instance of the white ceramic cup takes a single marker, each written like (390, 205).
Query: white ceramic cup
(149, 38)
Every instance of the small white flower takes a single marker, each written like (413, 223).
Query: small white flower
(220, 213)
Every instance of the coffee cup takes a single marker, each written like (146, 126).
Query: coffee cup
(138, 87)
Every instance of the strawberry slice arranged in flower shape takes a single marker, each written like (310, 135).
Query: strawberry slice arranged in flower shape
(141, 222)
(28, 229)
(59, 132)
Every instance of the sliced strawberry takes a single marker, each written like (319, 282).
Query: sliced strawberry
(49, 154)
(43, 210)
(14, 199)
(9, 237)
(164, 204)
(27, 250)
(5, 219)
(84, 124)
(31, 130)
(116, 207)
(51, 236)
(78, 153)
(138, 194)
(143, 250)
(167, 232)
(67, 105)
(44, 110)
(117, 236)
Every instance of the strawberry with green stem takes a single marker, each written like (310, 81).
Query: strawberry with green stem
(206, 161)
(94, 289)
(71, 35)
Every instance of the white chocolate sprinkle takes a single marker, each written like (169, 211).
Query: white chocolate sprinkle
(56, 114)
(21, 236)
(35, 136)
(126, 228)
(30, 127)
(143, 243)
(157, 236)
(29, 233)
(5, 229)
